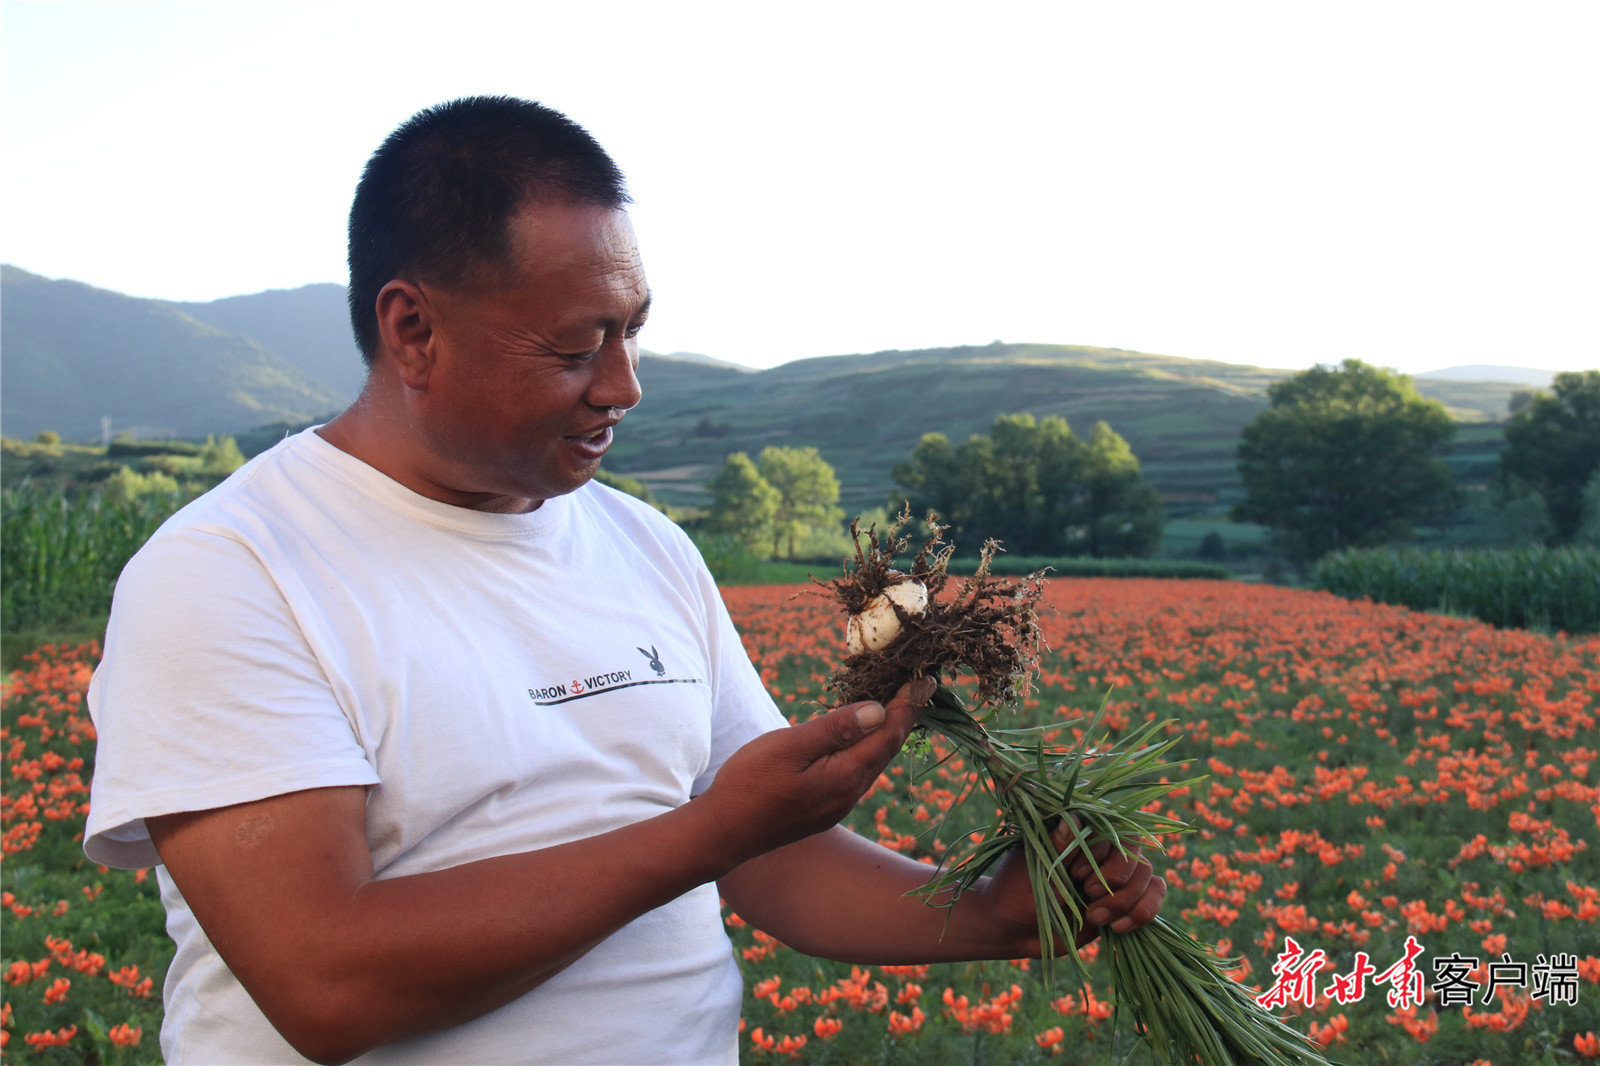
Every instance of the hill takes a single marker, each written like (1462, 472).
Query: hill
(285, 358)
(309, 327)
(78, 359)
(865, 413)
(1516, 375)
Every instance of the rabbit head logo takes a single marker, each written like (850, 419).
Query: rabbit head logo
(655, 660)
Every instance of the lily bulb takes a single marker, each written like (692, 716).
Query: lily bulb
(877, 624)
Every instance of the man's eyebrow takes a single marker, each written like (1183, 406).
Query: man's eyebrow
(608, 322)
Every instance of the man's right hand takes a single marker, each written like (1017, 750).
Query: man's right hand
(791, 783)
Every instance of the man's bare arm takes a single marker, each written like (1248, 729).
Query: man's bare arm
(840, 896)
(341, 962)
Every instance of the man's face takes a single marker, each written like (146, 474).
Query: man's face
(530, 374)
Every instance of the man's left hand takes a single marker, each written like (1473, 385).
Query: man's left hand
(1129, 896)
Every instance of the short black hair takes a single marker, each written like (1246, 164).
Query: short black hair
(434, 200)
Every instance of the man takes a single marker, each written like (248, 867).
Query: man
(445, 751)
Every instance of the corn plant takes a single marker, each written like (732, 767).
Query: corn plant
(1550, 588)
(60, 553)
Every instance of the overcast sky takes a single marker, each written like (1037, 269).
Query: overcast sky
(1270, 183)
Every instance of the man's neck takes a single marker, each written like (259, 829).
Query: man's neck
(386, 443)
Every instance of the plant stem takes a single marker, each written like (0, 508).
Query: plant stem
(1181, 999)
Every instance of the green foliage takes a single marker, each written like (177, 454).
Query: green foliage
(1555, 588)
(789, 497)
(827, 546)
(1124, 512)
(1345, 457)
(1036, 487)
(1553, 448)
(220, 456)
(41, 456)
(1589, 530)
(808, 494)
(60, 554)
(1080, 566)
(744, 505)
(125, 486)
(126, 447)
(730, 560)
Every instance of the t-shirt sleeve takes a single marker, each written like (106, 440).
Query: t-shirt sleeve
(743, 708)
(207, 695)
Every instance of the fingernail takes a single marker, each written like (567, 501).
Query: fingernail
(1122, 925)
(870, 716)
(1098, 916)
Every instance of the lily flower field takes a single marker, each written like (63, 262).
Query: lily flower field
(1388, 795)
(1397, 835)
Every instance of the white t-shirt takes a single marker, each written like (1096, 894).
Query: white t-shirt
(502, 683)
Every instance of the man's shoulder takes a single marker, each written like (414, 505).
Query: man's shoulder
(247, 501)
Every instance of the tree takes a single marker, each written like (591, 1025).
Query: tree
(125, 485)
(743, 504)
(1589, 529)
(1125, 512)
(931, 477)
(1037, 488)
(1345, 456)
(220, 455)
(1059, 505)
(1553, 447)
(1213, 547)
(808, 493)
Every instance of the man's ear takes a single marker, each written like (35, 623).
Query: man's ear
(405, 331)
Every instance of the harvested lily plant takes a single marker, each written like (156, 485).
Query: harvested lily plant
(922, 622)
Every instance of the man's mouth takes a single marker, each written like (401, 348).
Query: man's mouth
(595, 441)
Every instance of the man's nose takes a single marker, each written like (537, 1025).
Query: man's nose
(617, 382)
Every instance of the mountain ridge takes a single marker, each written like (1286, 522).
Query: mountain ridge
(309, 326)
(1517, 375)
(80, 360)
(286, 357)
